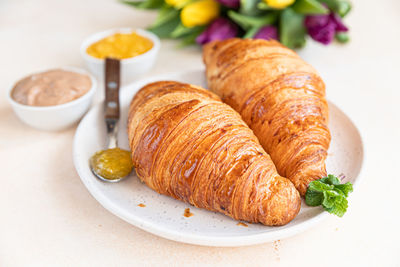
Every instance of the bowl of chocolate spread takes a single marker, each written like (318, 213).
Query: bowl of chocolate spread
(53, 99)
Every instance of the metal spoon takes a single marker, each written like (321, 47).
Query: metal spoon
(111, 110)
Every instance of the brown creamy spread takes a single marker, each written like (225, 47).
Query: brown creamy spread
(53, 87)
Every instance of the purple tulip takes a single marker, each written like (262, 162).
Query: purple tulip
(267, 33)
(219, 29)
(230, 3)
(322, 28)
(340, 27)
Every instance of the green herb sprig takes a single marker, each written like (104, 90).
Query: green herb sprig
(330, 193)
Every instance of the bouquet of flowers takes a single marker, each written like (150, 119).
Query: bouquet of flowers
(289, 21)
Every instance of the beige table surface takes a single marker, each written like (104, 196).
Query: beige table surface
(48, 218)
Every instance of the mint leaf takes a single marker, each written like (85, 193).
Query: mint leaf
(339, 208)
(345, 188)
(330, 197)
(314, 198)
(330, 179)
(319, 186)
(329, 193)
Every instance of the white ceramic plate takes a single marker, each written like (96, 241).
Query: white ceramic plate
(163, 215)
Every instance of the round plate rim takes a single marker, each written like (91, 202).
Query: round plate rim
(198, 239)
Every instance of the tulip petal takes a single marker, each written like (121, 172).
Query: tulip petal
(323, 28)
(219, 29)
(267, 33)
(230, 3)
(340, 27)
(199, 13)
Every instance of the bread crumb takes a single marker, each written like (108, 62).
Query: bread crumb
(276, 246)
(187, 213)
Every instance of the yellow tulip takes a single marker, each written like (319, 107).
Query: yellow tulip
(199, 13)
(177, 3)
(280, 4)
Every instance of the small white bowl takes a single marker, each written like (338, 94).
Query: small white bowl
(131, 68)
(57, 117)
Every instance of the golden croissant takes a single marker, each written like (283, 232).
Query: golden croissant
(189, 145)
(280, 97)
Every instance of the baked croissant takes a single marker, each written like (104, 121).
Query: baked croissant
(189, 145)
(280, 97)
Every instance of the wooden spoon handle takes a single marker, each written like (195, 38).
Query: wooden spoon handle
(111, 105)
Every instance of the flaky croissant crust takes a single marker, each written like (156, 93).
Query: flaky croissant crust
(280, 97)
(189, 145)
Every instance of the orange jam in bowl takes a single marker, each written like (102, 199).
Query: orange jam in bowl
(120, 46)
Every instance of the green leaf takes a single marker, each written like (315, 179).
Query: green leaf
(330, 179)
(146, 4)
(339, 208)
(345, 188)
(341, 7)
(330, 198)
(181, 30)
(166, 13)
(309, 7)
(264, 6)
(165, 30)
(249, 7)
(319, 186)
(251, 32)
(329, 193)
(190, 38)
(342, 37)
(249, 22)
(314, 198)
(292, 30)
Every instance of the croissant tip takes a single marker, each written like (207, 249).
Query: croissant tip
(284, 205)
